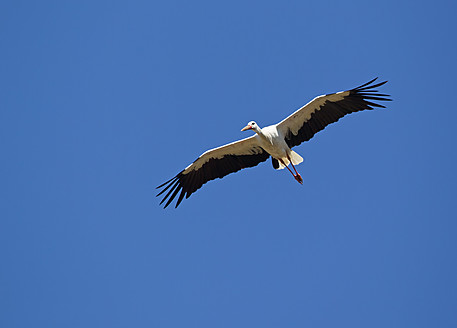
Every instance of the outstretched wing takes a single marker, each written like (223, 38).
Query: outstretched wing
(323, 110)
(212, 164)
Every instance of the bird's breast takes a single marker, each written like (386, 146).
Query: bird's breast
(274, 145)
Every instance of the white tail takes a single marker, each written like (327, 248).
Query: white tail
(295, 158)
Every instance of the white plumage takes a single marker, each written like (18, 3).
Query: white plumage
(275, 141)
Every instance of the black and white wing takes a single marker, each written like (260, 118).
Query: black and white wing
(303, 124)
(212, 164)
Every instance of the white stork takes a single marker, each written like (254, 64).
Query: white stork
(274, 140)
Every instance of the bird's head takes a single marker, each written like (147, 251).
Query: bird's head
(251, 126)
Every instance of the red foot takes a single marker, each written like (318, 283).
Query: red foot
(298, 178)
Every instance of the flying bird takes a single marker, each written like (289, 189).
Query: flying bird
(273, 141)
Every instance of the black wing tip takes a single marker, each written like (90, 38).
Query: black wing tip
(175, 185)
(366, 92)
(369, 85)
(163, 184)
(166, 185)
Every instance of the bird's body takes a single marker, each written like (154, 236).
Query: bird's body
(270, 139)
(274, 140)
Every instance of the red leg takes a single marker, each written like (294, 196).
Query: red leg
(286, 167)
(297, 176)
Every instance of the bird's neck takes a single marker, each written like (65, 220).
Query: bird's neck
(258, 131)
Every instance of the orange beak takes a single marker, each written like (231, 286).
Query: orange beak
(247, 127)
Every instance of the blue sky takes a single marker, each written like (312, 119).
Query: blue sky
(101, 101)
